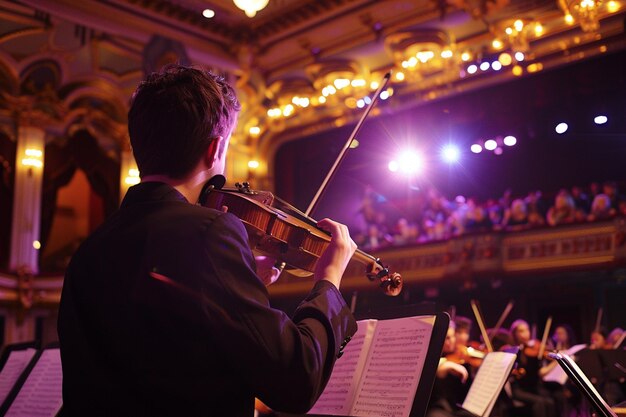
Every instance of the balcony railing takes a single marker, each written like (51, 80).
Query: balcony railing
(569, 247)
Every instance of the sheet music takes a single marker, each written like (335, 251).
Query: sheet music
(557, 374)
(393, 368)
(339, 392)
(40, 395)
(17, 361)
(490, 379)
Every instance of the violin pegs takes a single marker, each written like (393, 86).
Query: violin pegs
(392, 284)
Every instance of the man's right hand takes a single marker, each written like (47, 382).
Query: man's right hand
(333, 262)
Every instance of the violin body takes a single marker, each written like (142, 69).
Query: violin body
(466, 355)
(281, 231)
(272, 231)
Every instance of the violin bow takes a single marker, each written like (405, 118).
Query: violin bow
(481, 325)
(346, 146)
(503, 317)
(598, 320)
(544, 339)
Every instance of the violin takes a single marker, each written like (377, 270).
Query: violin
(466, 355)
(281, 231)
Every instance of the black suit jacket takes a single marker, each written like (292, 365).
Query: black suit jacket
(134, 346)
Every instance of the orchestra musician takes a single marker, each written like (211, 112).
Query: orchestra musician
(597, 339)
(451, 383)
(164, 310)
(527, 388)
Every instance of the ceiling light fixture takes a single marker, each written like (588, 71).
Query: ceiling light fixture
(251, 7)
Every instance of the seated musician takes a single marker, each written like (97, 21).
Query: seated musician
(450, 386)
(598, 339)
(163, 312)
(615, 338)
(528, 388)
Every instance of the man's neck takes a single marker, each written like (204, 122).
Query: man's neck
(189, 187)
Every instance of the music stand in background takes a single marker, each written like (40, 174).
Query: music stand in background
(578, 377)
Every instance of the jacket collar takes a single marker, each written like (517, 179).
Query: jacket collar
(151, 191)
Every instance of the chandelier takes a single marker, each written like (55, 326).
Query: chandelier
(251, 7)
(583, 11)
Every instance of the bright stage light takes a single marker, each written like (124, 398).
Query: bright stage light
(491, 144)
(450, 154)
(600, 120)
(484, 66)
(510, 140)
(561, 128)
(496, 66)
(476, 148)
(408, 163)
(472, 69)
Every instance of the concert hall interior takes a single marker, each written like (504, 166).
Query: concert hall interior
(490, 168)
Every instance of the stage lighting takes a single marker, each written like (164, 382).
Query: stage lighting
(450, 154)
(484, 66)
(491, 144)
(408, 163)
(510, 140)
(561, 128)
(476, 148)
(472, 69)
(600, 120)
(496, 66)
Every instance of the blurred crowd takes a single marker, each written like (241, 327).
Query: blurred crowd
(430, 216)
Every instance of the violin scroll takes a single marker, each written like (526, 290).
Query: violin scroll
(391, 283)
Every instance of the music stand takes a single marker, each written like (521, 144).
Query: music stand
(427, 377)
(578, 377)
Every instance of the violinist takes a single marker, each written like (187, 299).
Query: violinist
(528, 387)
(164, 310)
(598, 339)
(615, 339)
(566, 397)
(451, 384)
(464, 353)
(563, 337)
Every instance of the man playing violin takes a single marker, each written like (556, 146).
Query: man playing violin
(201, 339)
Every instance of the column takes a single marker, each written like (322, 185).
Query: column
(27, 199)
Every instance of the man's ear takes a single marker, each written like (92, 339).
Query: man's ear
(212, 153)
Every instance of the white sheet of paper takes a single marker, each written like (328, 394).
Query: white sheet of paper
(17, 361)
(339, 392)
(41, 394)
(394, 367)
(490, 379)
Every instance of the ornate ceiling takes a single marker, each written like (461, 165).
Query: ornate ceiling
(301, 66)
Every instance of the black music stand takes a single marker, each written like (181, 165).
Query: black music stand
(578, 377)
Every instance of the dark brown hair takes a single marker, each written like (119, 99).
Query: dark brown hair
(173, 117)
